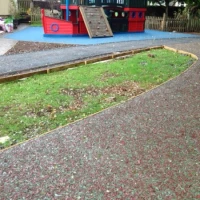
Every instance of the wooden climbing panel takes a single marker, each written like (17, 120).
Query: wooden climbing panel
(96, 21)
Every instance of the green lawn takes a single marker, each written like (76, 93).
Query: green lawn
(37, 23)
(35, 105)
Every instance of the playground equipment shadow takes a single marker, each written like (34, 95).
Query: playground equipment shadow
(36, 34)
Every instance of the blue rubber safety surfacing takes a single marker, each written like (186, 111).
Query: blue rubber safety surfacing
(36, 34)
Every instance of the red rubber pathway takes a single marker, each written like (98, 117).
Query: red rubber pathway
(145, 148)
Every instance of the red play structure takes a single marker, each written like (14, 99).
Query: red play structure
(97, 18)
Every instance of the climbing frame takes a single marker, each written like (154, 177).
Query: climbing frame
(95, 21)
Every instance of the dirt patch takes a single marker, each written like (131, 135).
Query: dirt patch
(107, 75)
(26, 47)
(78, 92)
(127, 89)
(77, 95)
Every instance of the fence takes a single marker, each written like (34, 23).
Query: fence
(35, 14)
(23, 5)
(171, 24)
(35, 17)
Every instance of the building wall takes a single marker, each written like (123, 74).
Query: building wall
(4, 7)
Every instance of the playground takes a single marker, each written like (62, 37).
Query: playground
(95, 22)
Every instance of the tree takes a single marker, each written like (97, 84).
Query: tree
(53, 4)
(166, 3)
(193, 7)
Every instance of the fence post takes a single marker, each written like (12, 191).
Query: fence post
(31, 5)
(163, 23)
(188, 22)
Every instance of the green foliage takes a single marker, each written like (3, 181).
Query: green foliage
(32, 106)
(36, 23)
(14, 10)
(165, 4)
(193, 8)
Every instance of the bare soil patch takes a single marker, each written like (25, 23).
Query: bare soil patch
(26, 47)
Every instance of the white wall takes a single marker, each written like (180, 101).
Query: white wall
(4, 7)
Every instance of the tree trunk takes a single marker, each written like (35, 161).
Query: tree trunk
(166, 8)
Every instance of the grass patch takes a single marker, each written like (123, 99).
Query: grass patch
(41, 103)
(36, 23)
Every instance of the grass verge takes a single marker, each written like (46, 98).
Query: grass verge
(35, 105)
(36, 23)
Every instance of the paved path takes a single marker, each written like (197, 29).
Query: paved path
(6, 44)
(12, 64)
(145, 148)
